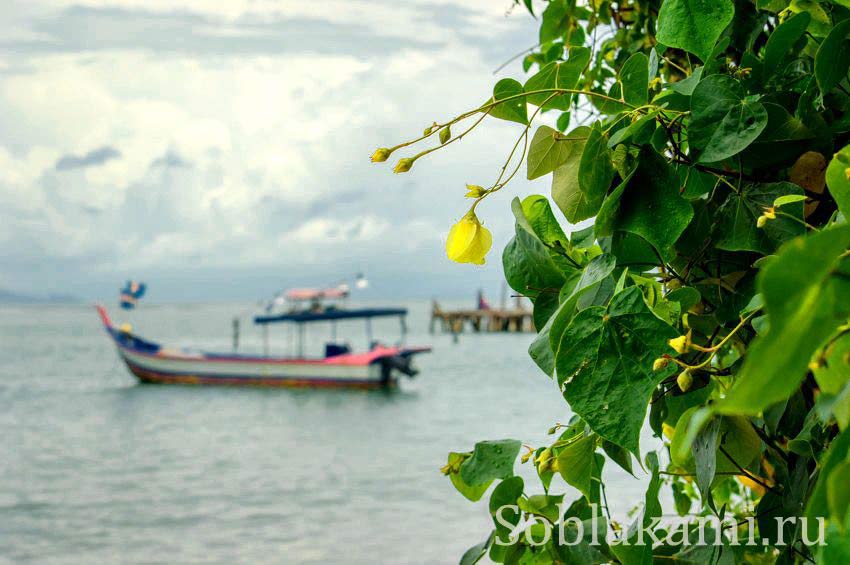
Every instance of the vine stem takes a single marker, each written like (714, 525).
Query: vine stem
(523, 136)
(744, 471)
(714, 349)
(490, 105)
(453, 139)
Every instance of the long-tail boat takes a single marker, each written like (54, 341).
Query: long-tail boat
(380, 366)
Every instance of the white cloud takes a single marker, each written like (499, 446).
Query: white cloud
(246, 158)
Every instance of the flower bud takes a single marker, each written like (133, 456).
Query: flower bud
(380, 155)
(847, 173)
(475, 191)
(468, 241)
(761, 222)
(660, 363)
(679, 344)
(403, 165)
(445, 135)
(684, 380)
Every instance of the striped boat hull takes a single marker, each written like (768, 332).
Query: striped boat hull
(151, 363)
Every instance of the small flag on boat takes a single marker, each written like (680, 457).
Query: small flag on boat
(130, 294)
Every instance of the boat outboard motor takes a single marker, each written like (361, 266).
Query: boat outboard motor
(403, 364)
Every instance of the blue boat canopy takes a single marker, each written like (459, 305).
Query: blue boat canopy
(329, 315)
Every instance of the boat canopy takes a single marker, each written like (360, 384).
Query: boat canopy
(330, 315)
(300, 294)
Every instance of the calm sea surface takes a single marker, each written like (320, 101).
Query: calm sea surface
(95, 468)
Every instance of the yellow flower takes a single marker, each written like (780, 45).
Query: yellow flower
(660, 363)
(684, 380)
(769, 214)
(403, 165)
(474, 191)
(380, 155)
(847, 173)
(468, 241)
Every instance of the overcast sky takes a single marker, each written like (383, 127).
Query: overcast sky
(219, 150)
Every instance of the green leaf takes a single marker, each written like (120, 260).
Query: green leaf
(542, 505)
(805, 292)
(555, 19)
(472, 493)
(647, 204)
(506, 493)
(604, 365)
(686, 296)
(693, 25)
(595, 272)
(529, 266)
(704, 449)
(783, 39)
(638, 132)
(632, 553)
(781, 127)
(542, 349)
(724, 122)
(514, 110)
(788, 199)
(772, 5)
(619, 456)
(837, 493)
(490, 460)
(547, 152)
(833, 371)
(836, 547)
(558, 76)
(575, 463)
(537, 211)
(595, 173)
(818, 504)
(832, 60)
(475, 553)
(566, 186)
(736, 226)
(634, 76)
(687, 85)
(582, 239)
(837, 181)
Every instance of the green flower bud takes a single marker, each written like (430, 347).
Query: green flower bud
(685, 380)
(403, 165)
(380, 155)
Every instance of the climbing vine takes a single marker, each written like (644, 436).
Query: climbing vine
(695, 315)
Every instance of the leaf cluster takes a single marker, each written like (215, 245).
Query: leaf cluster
(700, 160)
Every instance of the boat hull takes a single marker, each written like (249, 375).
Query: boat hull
(154, 377)
(155, 364)
(165, 369)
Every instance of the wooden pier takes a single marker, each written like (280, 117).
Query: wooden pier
(482, 320)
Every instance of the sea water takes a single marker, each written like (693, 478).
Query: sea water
(95, 468)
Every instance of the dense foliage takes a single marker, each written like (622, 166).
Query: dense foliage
(702, 145)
